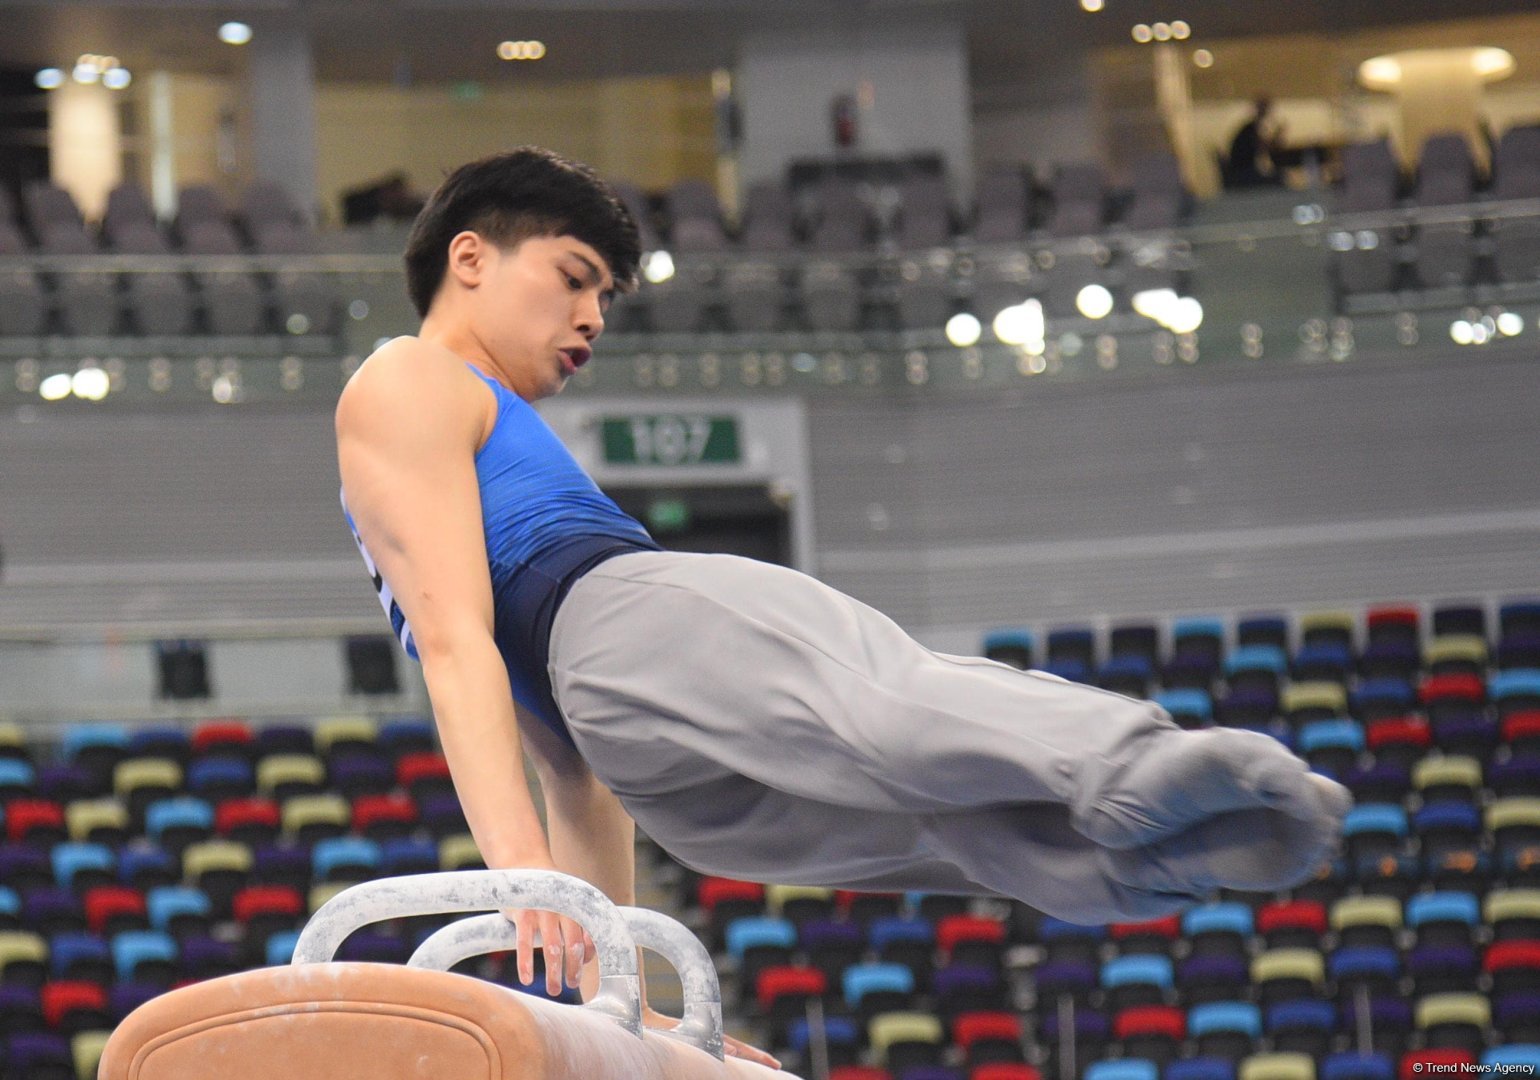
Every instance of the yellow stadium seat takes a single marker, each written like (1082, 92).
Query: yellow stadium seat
(136, 773)
(459, 852)
(1279, 1066)
(339, 729)
(778, 896)
(1453, 771)
(207, 856)
(886, 1029)
(83, 817)
(312, 816)
(86, 1048)
(1464, 649)
(277, 770)
(1352, 911)
(324, 891)
(1327, 697)
(1466, 1009)
(21, 947)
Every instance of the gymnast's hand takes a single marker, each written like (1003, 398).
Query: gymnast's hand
(567, 948)
(730, 1046)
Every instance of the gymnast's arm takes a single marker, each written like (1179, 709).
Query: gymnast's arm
(408, 426)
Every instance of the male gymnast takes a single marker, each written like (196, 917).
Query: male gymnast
(755, 722)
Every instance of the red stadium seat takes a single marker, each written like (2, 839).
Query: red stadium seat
(714, 890)
(234, 815)
(61, 998)
(107, 903)
(24, 817)
(859, 1072)
(1414, 1063)
(255, 900)
(1167, 929)
(972, 1027)
(423, 766)
(779, 982)
(222, 735)
(1453, 687)
(1399, 731)
(1164, 1020)
(383, 810)
(1002, 1070)
(1298, 922)
(1522, 727)
(957, 929)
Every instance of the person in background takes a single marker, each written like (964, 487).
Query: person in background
(1251, 162)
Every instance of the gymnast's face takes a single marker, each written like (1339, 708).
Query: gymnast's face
(534, 309)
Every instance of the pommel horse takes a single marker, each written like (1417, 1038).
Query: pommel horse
(319, 1019)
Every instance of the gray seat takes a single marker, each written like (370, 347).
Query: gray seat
(159, 302)
(87, 299)
(232, 300)
(1516, 175)
(925, 213)
(23, 301)
(636, 201)
(267, 204)
(696, 217)
(1001, 207)
(1079, 200)
(49, 205)
(198, 204)
(844, 221)
(769, 219)
(306, 300)
(127, 206)
(925, 295)
(1160, 199)
(831, 296)
(1446, 176)
(1371, 181)
(755, 296)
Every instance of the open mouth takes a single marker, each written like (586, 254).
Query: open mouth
(572, 359)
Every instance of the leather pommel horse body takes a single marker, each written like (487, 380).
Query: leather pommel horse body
(316, 1019)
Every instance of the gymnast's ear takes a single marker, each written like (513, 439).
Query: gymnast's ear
(468, 258)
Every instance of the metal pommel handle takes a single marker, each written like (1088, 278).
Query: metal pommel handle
(701, 1026)
(620, 988)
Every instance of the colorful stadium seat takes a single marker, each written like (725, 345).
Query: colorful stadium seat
(1366, 920)
(902, 1040)
(1441, 918)
(988, 1037)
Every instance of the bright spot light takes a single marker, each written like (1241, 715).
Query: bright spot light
(358, 310)
(1186, 316)
(1462, 332)
(1180, 30)
(963, 329)
(1480, 334)
(1155, 303)
(298, 323)
(1162, 31)
(90, 384)
(521, 50)
(55, 387)
(1094, 301)
(49, 79)
(1510, 324)
(235, 33)
(116, 78)
(1142, 34)
(1021, 324)
(86, 73)
(1203, 58)
(223, 389)
(658, 267)
(1093, 5)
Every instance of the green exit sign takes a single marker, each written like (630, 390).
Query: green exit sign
(670, 439)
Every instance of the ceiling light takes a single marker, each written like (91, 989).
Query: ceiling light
(1142, 34)
(235, 33)
(55, 387)
(1492, 63)
(1180, 30)
(963, 329)
(1093, 5)
(1094, 301)
(86, 72)
(1460, 331)
(1155, 304)
(49, 79)
(1203, 58)
(1162, 31)
(1021, 324)
(1186, 316)
(1510, 323)
(116, 78)
(658, 267)
(90, 384)
(521, 50)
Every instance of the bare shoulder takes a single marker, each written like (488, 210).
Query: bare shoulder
(409, 380)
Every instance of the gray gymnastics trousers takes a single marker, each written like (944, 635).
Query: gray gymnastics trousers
(758, 724)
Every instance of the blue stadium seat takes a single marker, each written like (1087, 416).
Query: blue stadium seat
(132, 949)
(186, 818)
(863, 979)
(220, 777)
(1322, 661)
(1228, 917)
(840, 1031)
(1351, 1065)
(1303, 1026)
(1270, 630)
(146, 867)
(10, 908)
(71, 859)
(1338, 734)
(334, 855)
(1377, 965)
(1504, 687)
(1190, 707)
(892, 929)
(1372, 830)
(1435, 907)
(1376, 698)
(74, 955)
(1015, 646)
(1215, 1017)
(758, 931)
(1128, 675)
(1187, 630)
(404, 855)
(279, 949)
(17, 777)
(1256, 658)
(165, 903)
(1122, 1069)
(1522, 1058)
(1201, 1068)
(1136, 980)
(399, 737)
(79, 739)
(167, 742)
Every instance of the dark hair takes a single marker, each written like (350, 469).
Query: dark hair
(513, 196)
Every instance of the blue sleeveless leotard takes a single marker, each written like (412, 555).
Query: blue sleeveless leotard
(546, 524)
